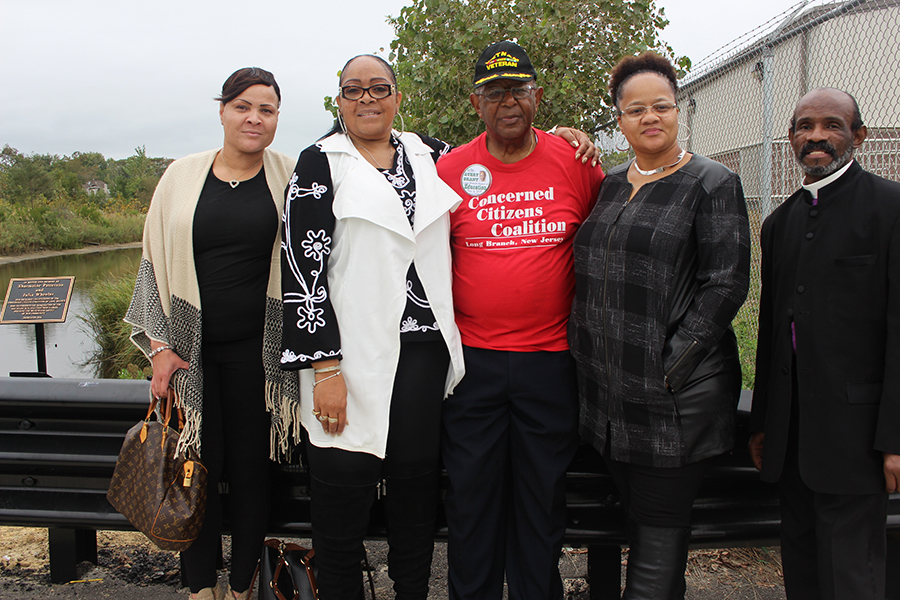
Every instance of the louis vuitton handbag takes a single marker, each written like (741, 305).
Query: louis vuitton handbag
(162, 494)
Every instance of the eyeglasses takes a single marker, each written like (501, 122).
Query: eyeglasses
(497, 94)
(660, 109)
(377, 91)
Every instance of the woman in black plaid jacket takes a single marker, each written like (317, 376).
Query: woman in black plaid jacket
(662, 266)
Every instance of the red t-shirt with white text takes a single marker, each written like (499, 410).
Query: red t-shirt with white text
(511, 238)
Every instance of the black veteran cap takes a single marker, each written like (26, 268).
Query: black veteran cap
(503, 60)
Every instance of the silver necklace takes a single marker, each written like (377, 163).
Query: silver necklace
(234, 180)
(377, 164)
(660, 169)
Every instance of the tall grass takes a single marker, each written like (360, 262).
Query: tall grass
(746, 323)
(745, 326)
(61, 224)
(116, 357)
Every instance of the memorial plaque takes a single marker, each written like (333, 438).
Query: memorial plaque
(37, 300)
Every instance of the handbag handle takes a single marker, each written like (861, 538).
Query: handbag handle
(277, 573)
(305, 562)
(280, 547)
(166, 413)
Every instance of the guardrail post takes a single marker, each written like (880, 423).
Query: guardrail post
(892, 591)
(68, 547)
(604, 571)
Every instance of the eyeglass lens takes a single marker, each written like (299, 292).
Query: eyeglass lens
(377, 92)
(498, 94)
(659, 109)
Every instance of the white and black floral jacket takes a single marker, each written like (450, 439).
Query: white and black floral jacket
(349, 289)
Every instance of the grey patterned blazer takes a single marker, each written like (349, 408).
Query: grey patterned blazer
(658, 280)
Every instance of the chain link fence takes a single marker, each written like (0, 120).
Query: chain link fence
(738, 102)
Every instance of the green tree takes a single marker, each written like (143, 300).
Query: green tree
(88, 166)
(572, 44)
(8, 157)
(136, 176)
(25, 178)
(66, 179)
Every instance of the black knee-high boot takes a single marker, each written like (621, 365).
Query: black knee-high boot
(656, 563)
(340, 517)
(411, 505)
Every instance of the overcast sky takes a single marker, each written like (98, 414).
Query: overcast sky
(110, 75)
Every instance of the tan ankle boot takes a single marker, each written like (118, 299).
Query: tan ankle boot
(210, 593)
(233, 595)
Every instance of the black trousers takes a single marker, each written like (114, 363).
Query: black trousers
(658, 496)
(234, 448)
(344, 485)
(833, 546)
(510, 432)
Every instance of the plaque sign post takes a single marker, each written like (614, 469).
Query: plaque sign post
(37, 300)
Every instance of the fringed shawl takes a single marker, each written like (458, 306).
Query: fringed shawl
(166, 307)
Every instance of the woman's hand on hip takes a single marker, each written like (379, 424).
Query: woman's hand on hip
(164, 366)
(330, 403)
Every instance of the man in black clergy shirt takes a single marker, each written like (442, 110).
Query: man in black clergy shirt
(826, 404)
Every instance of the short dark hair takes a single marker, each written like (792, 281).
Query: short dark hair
(629, 66)
(857, 115)
(241, 79)
(386, 64)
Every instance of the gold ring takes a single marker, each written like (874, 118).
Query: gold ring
(323, 418)
(316, 413)
(332, 420)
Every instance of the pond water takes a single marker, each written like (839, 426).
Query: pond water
(68, 344)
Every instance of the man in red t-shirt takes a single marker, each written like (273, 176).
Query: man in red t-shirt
(510, 427)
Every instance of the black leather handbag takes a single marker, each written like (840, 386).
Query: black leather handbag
(286, 572)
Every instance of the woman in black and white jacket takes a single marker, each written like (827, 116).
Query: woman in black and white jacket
(368, 320)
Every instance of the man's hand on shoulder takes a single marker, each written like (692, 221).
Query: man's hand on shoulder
(585, 148)
(892, 472)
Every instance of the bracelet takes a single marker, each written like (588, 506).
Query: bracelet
(315, 383)
(327, 369)
(158, 350)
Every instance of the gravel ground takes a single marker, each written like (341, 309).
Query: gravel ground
(130, 568)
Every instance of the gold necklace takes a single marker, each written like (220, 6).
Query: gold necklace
(234, 180)
(534, 143)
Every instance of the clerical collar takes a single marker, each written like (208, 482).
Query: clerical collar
(814, 187)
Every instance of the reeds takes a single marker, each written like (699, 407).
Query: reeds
(116, 357)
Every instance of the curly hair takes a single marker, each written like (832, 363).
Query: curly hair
(648, 62)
